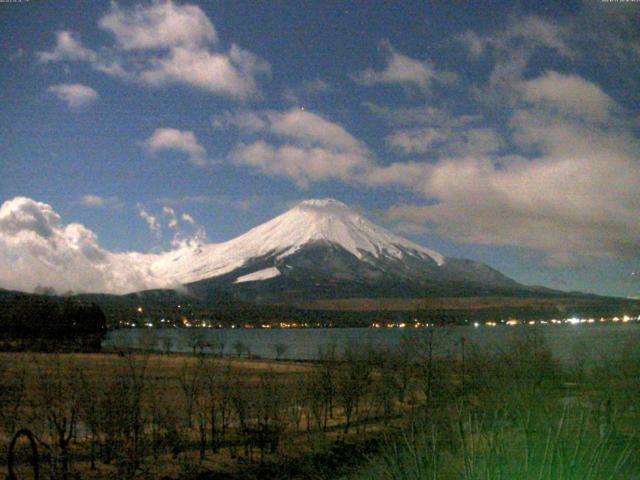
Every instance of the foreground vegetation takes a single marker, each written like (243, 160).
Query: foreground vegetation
(364, 412)
(519, 415)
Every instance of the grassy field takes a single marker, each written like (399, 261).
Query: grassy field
(363, 413)
(136, 415)
(521, 417)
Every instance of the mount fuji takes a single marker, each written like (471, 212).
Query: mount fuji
(322, 249)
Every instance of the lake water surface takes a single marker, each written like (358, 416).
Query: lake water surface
(568, 343)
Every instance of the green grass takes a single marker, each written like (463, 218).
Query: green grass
(573, 446)
(521, 416)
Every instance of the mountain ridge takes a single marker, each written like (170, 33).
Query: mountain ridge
(322, 249)
(308, 222)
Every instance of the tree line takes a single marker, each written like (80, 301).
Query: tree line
(47, 323)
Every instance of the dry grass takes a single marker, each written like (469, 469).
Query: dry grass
(257, 382)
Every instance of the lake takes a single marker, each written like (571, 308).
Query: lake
(589, 342)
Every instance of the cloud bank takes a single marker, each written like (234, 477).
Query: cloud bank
(161, 44)
(564, 186)
(36, 247)
(306, 146)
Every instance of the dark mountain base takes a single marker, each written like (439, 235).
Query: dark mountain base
(359, 311)
(340, 304)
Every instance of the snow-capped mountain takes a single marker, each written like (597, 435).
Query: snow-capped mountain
(320, 248)
(309, 222)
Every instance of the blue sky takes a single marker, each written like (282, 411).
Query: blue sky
(506, 133)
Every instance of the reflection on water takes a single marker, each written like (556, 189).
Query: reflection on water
(568, 343)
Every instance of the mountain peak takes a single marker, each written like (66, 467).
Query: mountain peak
(310, 222)
(322, 203)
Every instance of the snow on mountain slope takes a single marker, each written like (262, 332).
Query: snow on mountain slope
(264, 274)
(310, 221)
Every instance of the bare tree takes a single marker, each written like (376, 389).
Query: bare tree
(217, 389)
(240, 347)
(149, 339)
(264, 417)
(167, 343)
(421, 346)
(190, 383)
(12, 394)
(353, 381)
(297, 392)
(121, 414)
(388, 380)
(195, 339)
(218, 342)
(89, 389)
(136, 371)
(316, 398)
(56, 408)
(402, 361)
(279, 349)
(328, 363)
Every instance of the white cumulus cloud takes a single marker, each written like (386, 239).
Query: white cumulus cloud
(403, 70)
(163, 43)
(159, 25)
(576, 197)
(151, 220)
(233, 73)
(37, 247)
(301, 164)
(311, 148)
(172, 139)
(569, 94)
(93, 201)
(312, 128)
(68, 47)
(75, 95)
(246, 121)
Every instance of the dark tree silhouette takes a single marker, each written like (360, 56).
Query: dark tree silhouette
(46, 323)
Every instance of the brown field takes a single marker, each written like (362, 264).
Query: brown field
(155, 415)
